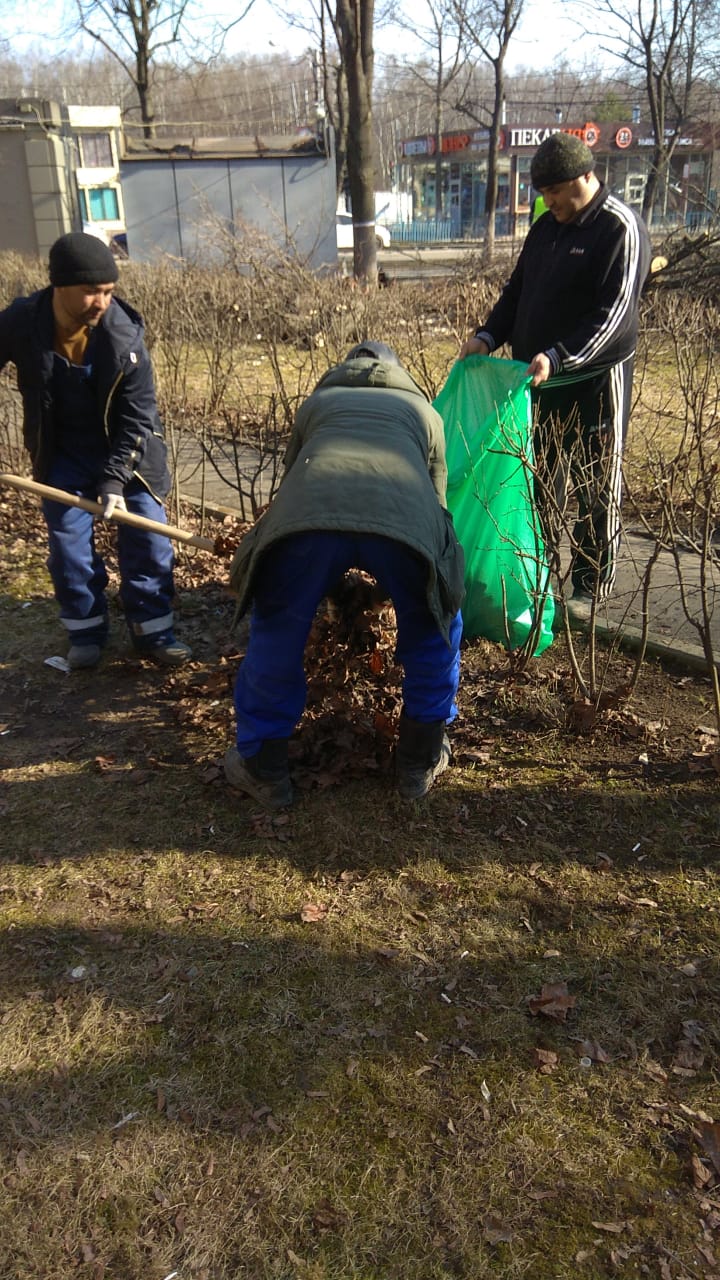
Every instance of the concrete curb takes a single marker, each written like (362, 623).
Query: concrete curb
(680, 652)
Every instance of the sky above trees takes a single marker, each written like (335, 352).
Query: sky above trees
(547, 32)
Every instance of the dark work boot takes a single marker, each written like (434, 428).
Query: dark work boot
(264, 776)
(423, 752)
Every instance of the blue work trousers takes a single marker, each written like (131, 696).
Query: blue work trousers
(78, 573)
(292, 578)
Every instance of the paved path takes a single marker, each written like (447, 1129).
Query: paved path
(671, 633)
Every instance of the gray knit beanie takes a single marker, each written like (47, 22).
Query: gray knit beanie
(560, 158)
(375, 351)
(78, 258)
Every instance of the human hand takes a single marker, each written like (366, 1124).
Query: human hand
(111, 502)
(539, 369)
(473, 347)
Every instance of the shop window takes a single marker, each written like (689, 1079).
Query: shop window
(96, 151)
(99, 204)
(635, 188)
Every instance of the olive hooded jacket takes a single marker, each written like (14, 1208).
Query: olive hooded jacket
(366, 455)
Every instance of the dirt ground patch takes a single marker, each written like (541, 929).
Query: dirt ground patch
(361, 1040)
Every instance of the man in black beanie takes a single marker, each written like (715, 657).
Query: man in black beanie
(570, 309)
(92, 428)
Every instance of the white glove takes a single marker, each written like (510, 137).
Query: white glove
(111, 502)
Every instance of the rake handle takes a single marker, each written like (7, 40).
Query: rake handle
(120, 517)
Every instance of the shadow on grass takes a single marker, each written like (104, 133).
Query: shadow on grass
(244, 1017)
(392, 1092)
(150, 794)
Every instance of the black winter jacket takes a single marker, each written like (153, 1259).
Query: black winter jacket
(575, 288)
(124, 387)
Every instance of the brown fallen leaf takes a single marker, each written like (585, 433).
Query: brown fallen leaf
(701, 1175)
(313, 912)
(326, 1217)
(582, 716)
(710, 1139)
(591, 1049)
(687, 1057)
(553, 1002)
(615, 1227)
(655, 1070)
(545, 1060)
(495, 1231)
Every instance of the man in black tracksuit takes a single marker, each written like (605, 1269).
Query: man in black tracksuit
(570, 308)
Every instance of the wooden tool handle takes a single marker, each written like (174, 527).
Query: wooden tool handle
(120, 517)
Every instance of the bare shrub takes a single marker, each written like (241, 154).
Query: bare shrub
(20, 275)
(12, 452)
(682, 463)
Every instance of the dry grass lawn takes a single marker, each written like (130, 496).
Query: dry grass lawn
(475, 1037)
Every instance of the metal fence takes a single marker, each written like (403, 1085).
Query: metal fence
(434, 231)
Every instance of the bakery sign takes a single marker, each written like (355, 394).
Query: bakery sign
(533, 135)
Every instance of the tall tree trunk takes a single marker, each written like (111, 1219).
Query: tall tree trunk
(354, 23)
(438, 157)
(491, 192)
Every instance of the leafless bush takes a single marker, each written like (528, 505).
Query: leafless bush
(20, 275)
(573, 481)
(682, 463)
(12, 452)
(238, 344)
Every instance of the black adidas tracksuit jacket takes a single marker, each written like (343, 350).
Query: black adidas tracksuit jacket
(575, 288)
(574, 295)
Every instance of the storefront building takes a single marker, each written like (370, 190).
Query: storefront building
(622, 153)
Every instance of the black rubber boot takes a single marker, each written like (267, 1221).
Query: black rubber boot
(264, 776)
(423, 752)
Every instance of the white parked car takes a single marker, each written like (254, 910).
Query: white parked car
(344, 224)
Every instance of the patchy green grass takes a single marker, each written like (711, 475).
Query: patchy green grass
(235, 1046)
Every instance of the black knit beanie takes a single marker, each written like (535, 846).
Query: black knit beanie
(78, 258)
(560, 158)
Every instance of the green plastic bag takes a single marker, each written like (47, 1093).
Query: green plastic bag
(485, 405)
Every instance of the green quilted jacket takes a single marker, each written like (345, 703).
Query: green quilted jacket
(366, 455)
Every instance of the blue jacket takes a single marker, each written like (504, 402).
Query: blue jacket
(123, 383)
